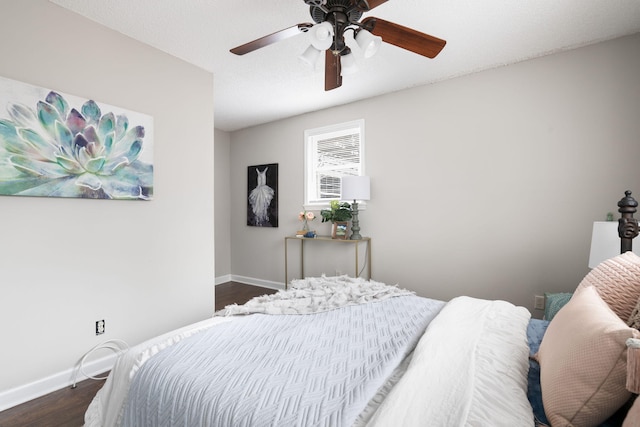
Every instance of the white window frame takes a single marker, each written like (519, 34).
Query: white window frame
(312, 199)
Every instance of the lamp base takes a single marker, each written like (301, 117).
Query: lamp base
(355, 223)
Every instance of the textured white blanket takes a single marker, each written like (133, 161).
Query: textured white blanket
(283, 370)
(308, 295)
(317, 294)
(469, 369)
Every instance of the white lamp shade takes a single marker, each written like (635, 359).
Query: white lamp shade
(356, 188)
(368, 43)
(348, 65)
(310, 56)
(321, 35)
(605, 242)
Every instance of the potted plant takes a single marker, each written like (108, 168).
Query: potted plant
(338, 214)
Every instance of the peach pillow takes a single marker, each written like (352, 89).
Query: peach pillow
(583, 359)
(633, 416)
(618, 283)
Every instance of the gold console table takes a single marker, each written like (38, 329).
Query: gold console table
(328, 239)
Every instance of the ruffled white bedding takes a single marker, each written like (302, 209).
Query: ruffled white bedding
(317, 294)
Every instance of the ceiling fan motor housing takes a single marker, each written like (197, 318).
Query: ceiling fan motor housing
(344, 8)
(339, 13)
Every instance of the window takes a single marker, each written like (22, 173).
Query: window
(330, 153)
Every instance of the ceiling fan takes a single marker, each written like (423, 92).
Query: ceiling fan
(332, 19)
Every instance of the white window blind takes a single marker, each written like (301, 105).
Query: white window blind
(331, 153)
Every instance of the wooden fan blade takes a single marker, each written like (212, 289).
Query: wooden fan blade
(332, 68)
(406, 38)
(367, 5)
(271, 38)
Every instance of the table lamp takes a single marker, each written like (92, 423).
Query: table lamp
(605, 242)
(355, 188)
(611, 238)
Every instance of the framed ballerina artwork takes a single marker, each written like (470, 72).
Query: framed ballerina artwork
(262, 195)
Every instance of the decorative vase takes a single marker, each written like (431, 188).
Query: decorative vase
(339, 230)
(305, 225)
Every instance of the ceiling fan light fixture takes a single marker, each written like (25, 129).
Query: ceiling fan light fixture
(333, 18)
(348, 64)
(321, 35)
(368, 43)
(310, 56)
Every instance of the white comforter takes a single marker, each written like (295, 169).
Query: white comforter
(468, 369)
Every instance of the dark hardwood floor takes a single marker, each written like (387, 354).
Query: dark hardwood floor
(238, 293)
(66, 407)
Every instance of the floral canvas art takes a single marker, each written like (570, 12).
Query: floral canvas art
(58, 145)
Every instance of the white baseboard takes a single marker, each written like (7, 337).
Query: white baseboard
(257, 282)
(42, 387)
(223, 279)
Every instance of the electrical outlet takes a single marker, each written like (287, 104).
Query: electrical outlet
(539, 302)
(100, 327)
(338, 273)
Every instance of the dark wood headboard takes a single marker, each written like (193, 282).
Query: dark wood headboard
(627, 224)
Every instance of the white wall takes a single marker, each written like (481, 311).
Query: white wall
(222, 194)
(486, 185)
(144, 267)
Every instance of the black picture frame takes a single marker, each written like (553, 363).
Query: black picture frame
(262, 195)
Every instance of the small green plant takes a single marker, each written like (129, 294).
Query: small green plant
(337, 212)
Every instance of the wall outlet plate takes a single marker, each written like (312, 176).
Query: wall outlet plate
(539, 302)
(100, 327)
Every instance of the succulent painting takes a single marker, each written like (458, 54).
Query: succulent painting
(55, 150)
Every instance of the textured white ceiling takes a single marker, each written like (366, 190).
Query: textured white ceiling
(272, 83)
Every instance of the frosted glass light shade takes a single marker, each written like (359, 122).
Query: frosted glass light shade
(605, 242)
(310, 56)
(321, 35)
(356, 188)
(368, 43)
(348, 65)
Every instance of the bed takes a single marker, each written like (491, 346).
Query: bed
(341, 351)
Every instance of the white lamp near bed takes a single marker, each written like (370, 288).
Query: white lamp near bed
(605, 242)
(355, 188)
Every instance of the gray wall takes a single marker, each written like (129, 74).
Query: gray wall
(222, 193)
(144, 267)
(486, 185)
